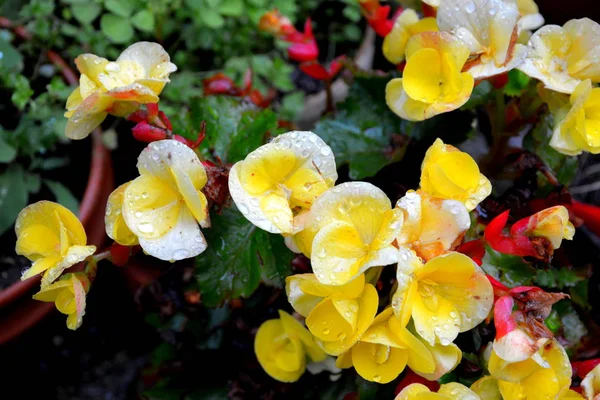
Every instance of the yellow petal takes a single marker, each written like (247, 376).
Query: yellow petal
(487, 388)
(91, 65)
(445, 358)
(420, 358)
(50, 293)
(151, 57)
(88, 115)
(326, 323)
(415, 391)
(74, 255)
(116, 227)
(422, 76)
(269, 338)
(591, 383)
(295, 330)
(151, 207)
(457, 391)
(378, 363)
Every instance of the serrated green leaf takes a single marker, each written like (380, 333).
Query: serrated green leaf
(63, 196)
(510, 270)
(360, 134)
(117, 29)
(238, 255)
(7, 152)
(231, 131)
(232, 8)
(123, 8)
(13, 196)
(86, 13)
(557, 278)
(143, 20)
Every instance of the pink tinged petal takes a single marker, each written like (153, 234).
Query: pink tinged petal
(75, 319)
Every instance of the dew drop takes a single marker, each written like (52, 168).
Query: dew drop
(243, 209)
(470, 7)
(326, 331)
(377, 378)
(146, 227)
(180, 253)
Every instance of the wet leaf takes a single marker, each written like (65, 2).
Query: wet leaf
(510, 270)
(238, 255)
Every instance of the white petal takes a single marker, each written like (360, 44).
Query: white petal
(151, 56)
(531, 22)
(158, 158)
(184, 240)
(482, 71)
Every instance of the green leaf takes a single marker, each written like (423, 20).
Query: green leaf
(123, 8)
(278, 263)
(22, 91)
(481, 95)
(143, 20)
(510, 270)
(63, 196)
(281, 75)
(11, 59)
(117, 29)
(361, 133)
(517, 83)
(232, 8)
(352, 13)
(579, 295)
(211, 18)
(538, 142)
(238, 255)
(291, 105)
(231, 131)
(86, 13)
(13, 196)
(7, 152)
(558, 278)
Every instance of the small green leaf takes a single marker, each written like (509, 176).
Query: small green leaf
(123, 8)
(116, 28)
(517, 83)
(86, 13)
(63, 196)
(481, 95)
(291, 105)
(510, 270)
(143, 20)
(239, 254)
(558, 278)
(211, 18)
(232, 8)
(352, 13)
(11, 59)
(13, 196)
(7, 152)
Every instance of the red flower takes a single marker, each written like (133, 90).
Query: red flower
(318, 71)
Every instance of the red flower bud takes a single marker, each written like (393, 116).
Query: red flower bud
(119, 254)
(144, 132)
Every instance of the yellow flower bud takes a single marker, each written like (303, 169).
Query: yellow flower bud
(282, 346)
(68, 294)
(52, 237)
(448, 391)
(406, 25)
(449, 173)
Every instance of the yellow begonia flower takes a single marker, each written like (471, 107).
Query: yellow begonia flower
(282, 345)
(547, 376)
(449, 173)
(576, 119)
(117, 88)
(487, 388)
(337, 316)
(385, 349)
(432, 82)
(447, 295)
(52, 237)
(448, 391)
(349, 229)
(277, 183)
(431, 226)
(531, 18)
(553, 224)
(446, 358)
(116, 227)
(591, 384)
(68, 294)
(164, 205)
(562, 57)
(406, 25)
(489, 28)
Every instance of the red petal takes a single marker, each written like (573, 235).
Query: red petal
(119, 254)
(315, 70)
(589, 214)
(303, 51)
(582, 368)
(218, 84)
(336, 66)
(410, 377)
(152, 109)
(144, 132)
(429, 11)
(473, 249)
(503, 319)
